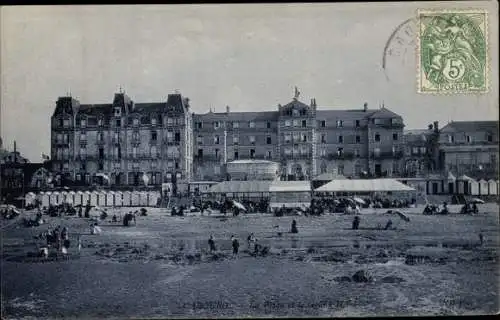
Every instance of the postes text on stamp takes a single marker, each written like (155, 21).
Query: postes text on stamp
(452, 51)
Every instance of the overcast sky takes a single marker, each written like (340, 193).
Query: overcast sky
(249, 57)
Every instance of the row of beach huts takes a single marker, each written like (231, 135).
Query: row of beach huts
(96, 198)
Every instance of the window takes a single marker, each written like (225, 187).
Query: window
(117, 165)
(288, 151)
(423, 150)
(414, 150)
(216, 140)
(101, 165)
(288, 138)
(395, 136)
(468, 139)
(59, 138)
(252, 153)
(287, 123)
(341, 139)
(83, 151)
(358, 139)
(100, 136)
(252, 139)
(216, 124)
(295, 112)
(236, 140)
(323, 123)
(323, 138)
(83, 136)
(340, 151)
(340, 123)
(376, 151)
(451, 138)
(153, 121)
(340, 169)
(236, 155)
(303, 150)
(236, 124)
(295, 123)
(304, 138)
(393, 150)
(170, 136)
(170, 121)
(200, 153)
(269, 124)
(269, 154)
(60, 122)
(216, 153)
(357, 123)
(117, 112)
(154, 152)
(83, 123)
(199, 125)
(377, 137)
(177, 137)
(66, 123)
(489, 138)
(135, 122)
(251, 124)
(135, 135)
(170, 164)
(268, 139)
(101, 153)
(118, 123)
(154, 136)
(66, 138)
(356, 152)
(199, 140)
(134, 152)
(304, 123)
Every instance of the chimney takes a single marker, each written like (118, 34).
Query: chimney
(436, 126)
(228, 109)
(365, 107)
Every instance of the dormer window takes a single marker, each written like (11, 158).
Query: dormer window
(118, 112)
(153, 121)
(295, 112)
(216, 124)
(100, 122)
(135, 122)
(451, 138)
(66, 123)
(340, 123)
(468, 139)
(83, 123)
(251, 124)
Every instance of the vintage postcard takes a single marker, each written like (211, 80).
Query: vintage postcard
(249, 160)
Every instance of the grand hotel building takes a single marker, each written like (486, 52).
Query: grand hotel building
(165, 141)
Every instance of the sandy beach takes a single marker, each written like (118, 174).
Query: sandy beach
(432, 265)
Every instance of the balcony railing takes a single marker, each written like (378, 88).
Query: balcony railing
(340, 156)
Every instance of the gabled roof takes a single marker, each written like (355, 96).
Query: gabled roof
(471, 126)
(295, 104)
(96, 109)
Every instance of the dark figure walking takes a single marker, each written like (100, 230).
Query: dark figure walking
(87, 209)
(211, 244)
(474, 208)
(236, 245)
(80, 212)
(294, 227)
(481, 239)
(355, 223)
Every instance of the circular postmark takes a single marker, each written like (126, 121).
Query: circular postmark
(452, 50)
(399, 50)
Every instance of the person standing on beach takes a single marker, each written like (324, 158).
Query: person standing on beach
(236, 245)
(211, 244)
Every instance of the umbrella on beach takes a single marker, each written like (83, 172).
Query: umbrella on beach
(477, 200)
(239, 205)
(359, 200)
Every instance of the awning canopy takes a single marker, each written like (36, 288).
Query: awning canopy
(364, 185)
(241, 187)
(290, 186)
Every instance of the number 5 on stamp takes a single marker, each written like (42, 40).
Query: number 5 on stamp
(452, 51)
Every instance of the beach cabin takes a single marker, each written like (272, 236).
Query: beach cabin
(54, 198)
(101, 201)
(134, 199)
(46, 198)
(127, 195)
(449, 184)
(78, 198)
(29, 198)
(492, 187)
(93, 198)
(463, 184)
(118, 199)
(143, 199)
(110, 199)
(85, 197)
(290, 194)
(153, 197)
(63, 197)
(483, 187)
(435, 184)
(473, 188)
(70, 197)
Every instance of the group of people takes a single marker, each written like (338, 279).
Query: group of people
(57, 238)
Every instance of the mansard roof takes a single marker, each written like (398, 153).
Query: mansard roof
(471, 126)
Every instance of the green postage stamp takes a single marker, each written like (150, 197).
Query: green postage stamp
(452, 51)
